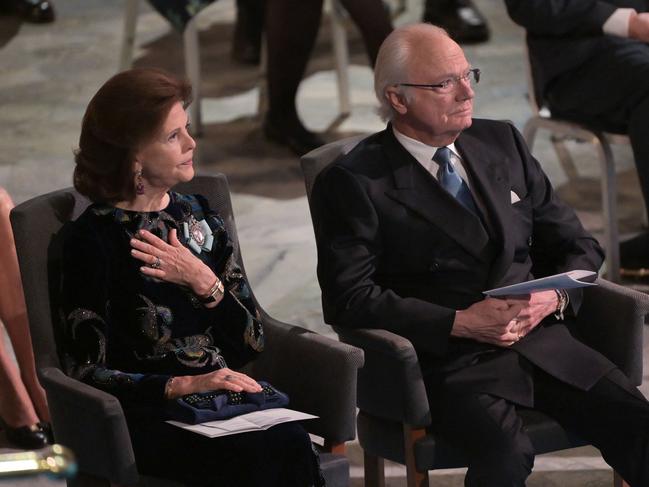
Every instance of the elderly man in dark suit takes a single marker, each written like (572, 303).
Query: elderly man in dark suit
(590, 64)
(419, 219)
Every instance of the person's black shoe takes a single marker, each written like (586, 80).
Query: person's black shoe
(461, 19)
(634, 257)
(295, 136)
(28, 437)
(36, 11)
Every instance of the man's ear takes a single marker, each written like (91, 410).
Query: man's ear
(396, 99)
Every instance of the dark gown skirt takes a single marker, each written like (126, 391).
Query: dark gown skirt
(281, 456)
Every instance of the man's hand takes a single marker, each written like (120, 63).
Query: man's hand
(639, 26)
(489, 321)
(536, 306)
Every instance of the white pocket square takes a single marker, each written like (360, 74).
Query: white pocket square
(514, 197)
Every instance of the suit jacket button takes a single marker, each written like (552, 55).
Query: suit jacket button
(529, 241)
(434, 267)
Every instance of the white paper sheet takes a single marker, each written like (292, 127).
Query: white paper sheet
(567, 280)
(255, 421)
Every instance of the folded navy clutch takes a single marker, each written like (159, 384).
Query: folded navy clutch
(200, 407)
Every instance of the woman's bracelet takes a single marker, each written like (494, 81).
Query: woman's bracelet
(168, 387)
(216, 291)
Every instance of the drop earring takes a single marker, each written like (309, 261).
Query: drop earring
(139, 184)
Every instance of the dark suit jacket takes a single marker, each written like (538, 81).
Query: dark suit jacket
(396, 251)
(564, 34)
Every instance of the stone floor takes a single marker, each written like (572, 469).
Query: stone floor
(49, 72)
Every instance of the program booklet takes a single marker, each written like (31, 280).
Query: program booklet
(566, 280)
(255, 421)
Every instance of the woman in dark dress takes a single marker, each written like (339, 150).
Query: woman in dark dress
(154, 302)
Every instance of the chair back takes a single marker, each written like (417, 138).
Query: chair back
(37, 226)
(316, 160)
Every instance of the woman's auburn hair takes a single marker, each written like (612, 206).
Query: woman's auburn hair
(126, 112)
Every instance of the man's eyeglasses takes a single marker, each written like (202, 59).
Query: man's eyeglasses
(448, 85)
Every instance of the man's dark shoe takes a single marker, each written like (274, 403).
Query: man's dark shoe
(293, 135)
(634, 257)
(36, 11)
(461, 19)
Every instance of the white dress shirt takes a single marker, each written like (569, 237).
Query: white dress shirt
(424, 153)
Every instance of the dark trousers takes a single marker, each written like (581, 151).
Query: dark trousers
(610, 92)
(612, 415)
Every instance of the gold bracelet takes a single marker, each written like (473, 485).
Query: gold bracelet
(168, 386)
(216, 290)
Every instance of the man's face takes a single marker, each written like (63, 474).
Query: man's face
(436, 116)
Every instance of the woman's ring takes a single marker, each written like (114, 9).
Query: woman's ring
(156, 263)
(229, 377)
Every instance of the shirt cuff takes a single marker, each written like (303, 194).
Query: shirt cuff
(618, 23)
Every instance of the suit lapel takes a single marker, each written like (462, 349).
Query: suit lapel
(416, 189)
(487, 168)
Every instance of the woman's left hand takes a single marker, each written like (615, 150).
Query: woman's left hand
(171, 262)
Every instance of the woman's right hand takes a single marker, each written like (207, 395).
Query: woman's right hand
(228, 379)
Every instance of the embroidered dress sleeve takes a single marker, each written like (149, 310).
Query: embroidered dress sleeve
(86, 327)
(243, 332)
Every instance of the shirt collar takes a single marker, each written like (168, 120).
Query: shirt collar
(422, 152)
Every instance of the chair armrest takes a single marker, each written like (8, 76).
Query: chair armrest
(319, 375)
(611, 320)
(91, 423)
(390, 385)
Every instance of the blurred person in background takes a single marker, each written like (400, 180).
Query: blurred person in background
(23, 407)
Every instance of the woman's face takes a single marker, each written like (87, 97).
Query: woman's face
(167, 159)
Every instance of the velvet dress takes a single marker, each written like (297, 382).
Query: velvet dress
(127, 334)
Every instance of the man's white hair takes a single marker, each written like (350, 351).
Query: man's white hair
(393, 61)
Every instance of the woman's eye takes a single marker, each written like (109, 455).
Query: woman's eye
(173, 136)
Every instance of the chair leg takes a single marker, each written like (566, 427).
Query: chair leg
(618, 481)
(341, 55)
(564, 156)
(374, 470)
(410, 436)
(193, 70)
(335, 448)
(609, 209)
(128, 41)
(529, 132)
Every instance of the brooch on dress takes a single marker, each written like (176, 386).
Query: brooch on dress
(198, 235)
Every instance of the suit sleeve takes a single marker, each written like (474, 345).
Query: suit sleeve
(349, 253)
(560, 18)
(560, 242)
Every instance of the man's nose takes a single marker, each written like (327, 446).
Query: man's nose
(464, 89)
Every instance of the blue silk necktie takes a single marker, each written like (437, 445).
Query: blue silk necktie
(451, 181)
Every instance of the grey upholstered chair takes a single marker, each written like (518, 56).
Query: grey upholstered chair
(319, 374)
(392, 401)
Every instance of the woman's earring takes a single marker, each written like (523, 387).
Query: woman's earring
(139, 184)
